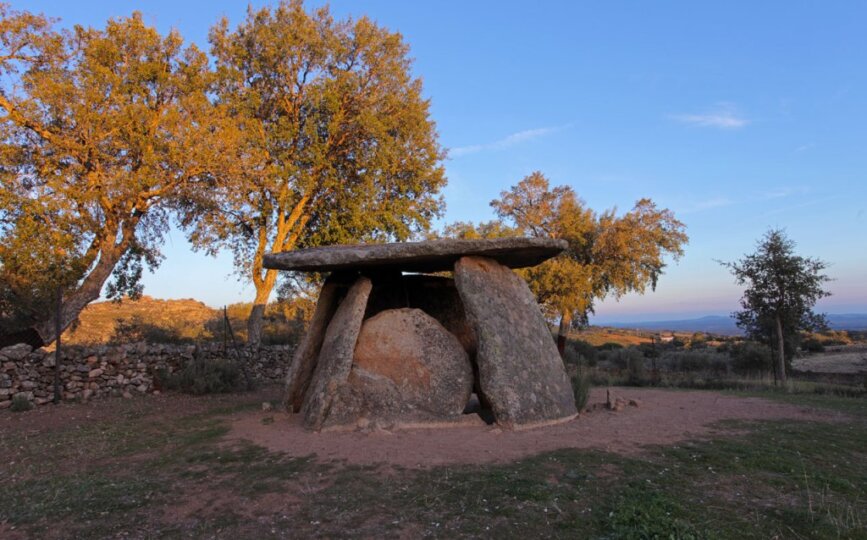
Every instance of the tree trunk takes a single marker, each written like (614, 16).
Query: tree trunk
(781, 351)
(77, 300)
(257, 315)
(562, 335)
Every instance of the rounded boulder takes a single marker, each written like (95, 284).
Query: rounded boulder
(417, 357)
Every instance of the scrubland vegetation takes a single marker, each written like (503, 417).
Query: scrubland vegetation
(722, 362)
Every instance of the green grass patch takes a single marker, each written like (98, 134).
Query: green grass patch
(770, 478)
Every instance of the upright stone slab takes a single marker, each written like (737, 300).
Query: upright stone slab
(335, 356)
(304, 361)
(520, 370)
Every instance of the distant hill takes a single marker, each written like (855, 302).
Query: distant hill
(848, 321)
(179, 319)
(719, 324)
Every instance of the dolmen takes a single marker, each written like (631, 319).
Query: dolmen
(411, 333)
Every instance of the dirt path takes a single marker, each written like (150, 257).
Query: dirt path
(662, 417)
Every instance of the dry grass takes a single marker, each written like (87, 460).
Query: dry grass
(98, 322)
(599, 336)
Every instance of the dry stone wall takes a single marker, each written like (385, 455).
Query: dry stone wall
(118, 370)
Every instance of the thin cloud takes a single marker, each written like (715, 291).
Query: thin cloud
(707, 204)
(723, 116)
(506, 142)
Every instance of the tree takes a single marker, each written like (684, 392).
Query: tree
(101, 131)
(337, 141)
(607, 253)
(782, 289)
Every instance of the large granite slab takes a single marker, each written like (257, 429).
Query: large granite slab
(520, 371)
(335, 355)
(304, 361)
(429, 256)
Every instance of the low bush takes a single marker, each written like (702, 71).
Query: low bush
(208, 377)
(812, 345)
(579, 353)
(620, 358)
(635, 367)
(20, 404)
(688, 361)
(751, 357)
(609, 346)
(580, 389)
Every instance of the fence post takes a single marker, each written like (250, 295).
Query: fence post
(57, 345)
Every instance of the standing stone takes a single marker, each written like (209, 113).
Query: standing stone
(422, 359)
(304, 362)
(335, 356)
(520, 370)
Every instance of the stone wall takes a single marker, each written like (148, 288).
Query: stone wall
(118, 370)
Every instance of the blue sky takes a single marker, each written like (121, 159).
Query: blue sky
(739, 116)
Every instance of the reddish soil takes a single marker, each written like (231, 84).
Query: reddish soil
(661, 417)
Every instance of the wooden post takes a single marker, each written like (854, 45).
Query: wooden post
(57, 345)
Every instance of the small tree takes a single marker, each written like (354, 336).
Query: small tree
(782, 289)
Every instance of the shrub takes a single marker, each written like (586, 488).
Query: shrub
(579, 353)
(201, 376)
(620, 358)
(635, 366)
(609, 346)
(580, 389)
(20, 404)
(751, 357)
(812, 345)
(688, 361)
(649, 350)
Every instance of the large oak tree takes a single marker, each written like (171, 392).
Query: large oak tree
(336, 141)
(101, 131)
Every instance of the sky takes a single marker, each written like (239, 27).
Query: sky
(738, 116)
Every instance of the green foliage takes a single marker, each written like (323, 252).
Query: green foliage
(580, 388)
(200, 376)
(812, 345)
(691, 360)
(609, 346)
(579, 353)
(606, 254)
(751, 357)
(335, 141)
(781, 290)
(635, 367)
(103, 131)
(643, 514)
(620, 357)
(20, 404)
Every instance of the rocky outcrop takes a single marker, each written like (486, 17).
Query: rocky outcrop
(335, 356)
(520, 371)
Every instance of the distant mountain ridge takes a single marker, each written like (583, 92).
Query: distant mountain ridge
(720, 324)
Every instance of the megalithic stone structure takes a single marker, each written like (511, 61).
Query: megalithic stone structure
(428, 340)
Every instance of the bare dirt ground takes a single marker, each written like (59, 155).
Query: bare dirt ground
(852, 359)
(661, 417)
